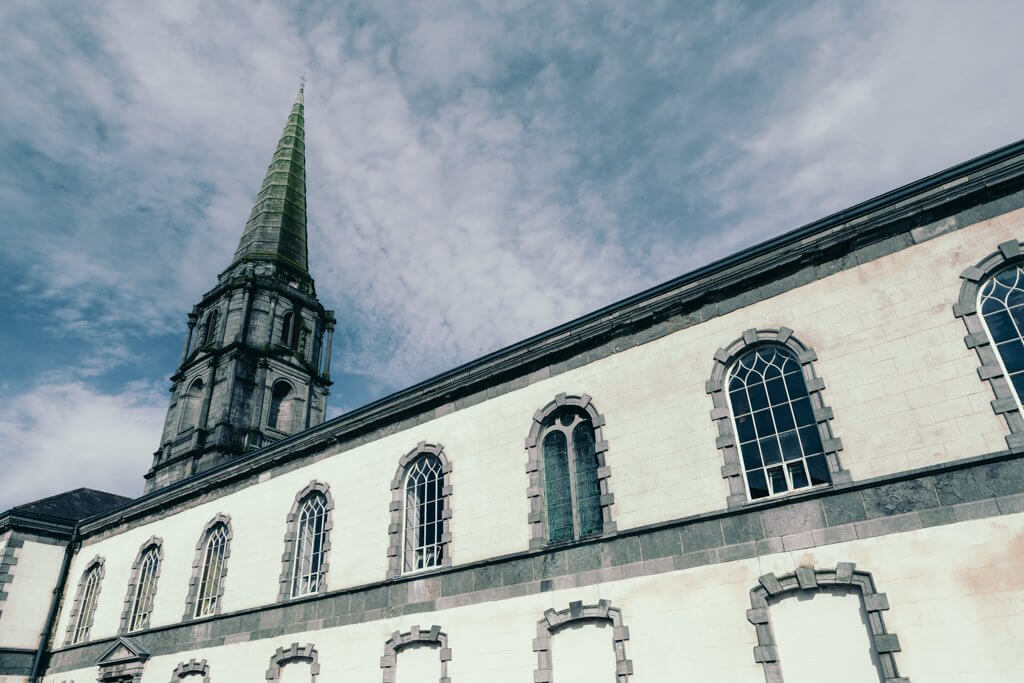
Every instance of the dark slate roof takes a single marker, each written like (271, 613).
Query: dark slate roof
(276, 229)
(73, 505)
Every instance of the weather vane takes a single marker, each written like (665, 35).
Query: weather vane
(302, 82)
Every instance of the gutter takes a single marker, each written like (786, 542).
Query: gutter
(51, 617)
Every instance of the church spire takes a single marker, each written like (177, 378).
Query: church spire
(276, 229)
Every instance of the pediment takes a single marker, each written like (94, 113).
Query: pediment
(123, 650)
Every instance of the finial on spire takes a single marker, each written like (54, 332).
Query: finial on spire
(300, 98)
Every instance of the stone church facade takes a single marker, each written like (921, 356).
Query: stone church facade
(799, 463)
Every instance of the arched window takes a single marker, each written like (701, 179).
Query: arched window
(1001, 304)
(86, 599)
(773, 423)
(424, 514)
(142, 587)
(295, 664)
(420, 530)
(569, 496)
(308, 565)
(192, 671)
(990, 305)
(424, 653)
(290, 330)
(280, 415)
(570, 476)
(211, 575)
(592, 644)
(776, 429)
(190, 403)
(210, 332)
(861, 658)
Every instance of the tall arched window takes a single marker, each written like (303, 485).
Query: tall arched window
(571, 486)
(86, 599)
(210, 332)
(310, 541)
(569, 478)
(212, 572)
(424, 514)
(142, 586)
(419, 536)
(280, 415)
(289, 330)
(190, 403)
(775, 425)
(1001, 304)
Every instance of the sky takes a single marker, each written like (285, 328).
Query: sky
(477, 172)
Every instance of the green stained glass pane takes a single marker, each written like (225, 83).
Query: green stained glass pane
(556, 487)
(588, 490)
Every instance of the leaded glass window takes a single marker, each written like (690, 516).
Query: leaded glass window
(571, 487)
(1001, 303)
(145, 590)
(424, 513)
(212, 575)
(87, 607)
(777, 433)
(311, 535)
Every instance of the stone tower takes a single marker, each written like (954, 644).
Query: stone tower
(255, 367)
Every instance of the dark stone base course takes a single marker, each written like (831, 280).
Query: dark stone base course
(16, 662)
(973, 488)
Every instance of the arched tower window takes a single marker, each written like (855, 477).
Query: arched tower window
(569, 494)
(420, 532)
(772, 420)
(290, 330)
(190, 405)
(86, 599)
(142, 587)
(780, 446)
(1001, 304)
(210, 332)
(206, 588)
(308, 551)
(280, 415)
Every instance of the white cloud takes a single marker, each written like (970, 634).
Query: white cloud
(61, 435)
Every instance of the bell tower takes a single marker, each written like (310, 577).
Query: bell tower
(256, 362)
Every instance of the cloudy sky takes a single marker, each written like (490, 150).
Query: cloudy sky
(478, 172)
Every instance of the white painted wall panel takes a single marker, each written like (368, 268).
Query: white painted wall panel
(23, 613)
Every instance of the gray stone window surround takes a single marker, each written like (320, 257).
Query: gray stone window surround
(771, 588)
(537, 517)
(129, 598)
(192, 667)
(96, 563)
(578, 613)
(197, 567)
(287, 558)
(8, 559)
(300, 653)
(398, 641)
(732, 470)
(396, 529)
(1005, 403)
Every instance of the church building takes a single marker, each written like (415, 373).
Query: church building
(801, 463)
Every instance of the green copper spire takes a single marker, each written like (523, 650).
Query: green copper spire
(276, 229)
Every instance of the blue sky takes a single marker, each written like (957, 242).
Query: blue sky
(477, 172)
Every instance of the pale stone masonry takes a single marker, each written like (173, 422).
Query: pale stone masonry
(906, 566)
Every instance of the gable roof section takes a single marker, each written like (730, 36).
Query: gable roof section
(960, 196)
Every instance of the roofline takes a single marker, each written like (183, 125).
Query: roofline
(1002, 165)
